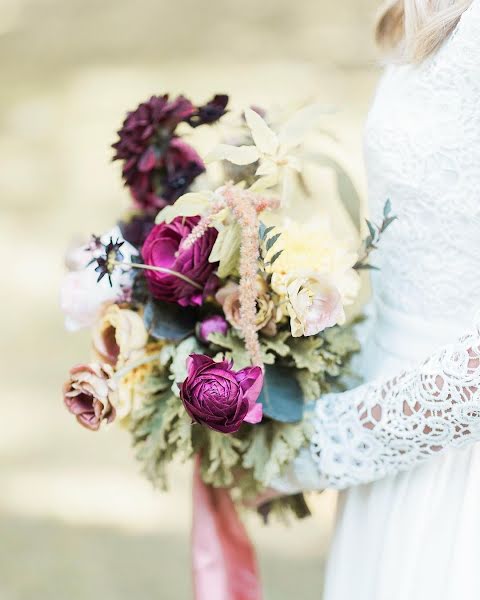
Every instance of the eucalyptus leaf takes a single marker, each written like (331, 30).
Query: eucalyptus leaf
(281, 395)
(388, 221)
(276, 256)
(371, 229)
(261, 230)
(272, 241)
(266, 230)
(168, 321)
(387, 209)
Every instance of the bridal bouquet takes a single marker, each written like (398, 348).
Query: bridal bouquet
(213, 318)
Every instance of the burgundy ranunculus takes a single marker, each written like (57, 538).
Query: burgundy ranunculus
(189, 275)
(213, 324)
(217, 396)
(88, 394)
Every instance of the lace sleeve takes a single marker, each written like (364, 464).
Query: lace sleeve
(384, 427)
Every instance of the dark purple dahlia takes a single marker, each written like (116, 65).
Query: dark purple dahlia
(158, 166)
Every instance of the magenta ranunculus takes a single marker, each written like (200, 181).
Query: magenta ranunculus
(217, 396)
(162, 248)
(213, 324)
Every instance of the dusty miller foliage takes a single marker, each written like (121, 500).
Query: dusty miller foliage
(162, 430)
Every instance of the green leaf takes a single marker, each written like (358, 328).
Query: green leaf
(261, 230)
(371, 229)
(232, 346)
(275, 346)
(168, 321)
(387, 209)
(276, 256)
(264, 230)
(188, 205)
(272, 241)
(287, 440)
(257, 454)
(281, 395)
(388, 222)
(309, 383)
(226, 250)
(178, 367)
(222, 457)
(307, 353)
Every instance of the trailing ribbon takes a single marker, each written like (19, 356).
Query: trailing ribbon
(223, 558)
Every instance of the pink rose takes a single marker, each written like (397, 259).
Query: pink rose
(88, 393)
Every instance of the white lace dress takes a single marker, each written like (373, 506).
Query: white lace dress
(402, 446)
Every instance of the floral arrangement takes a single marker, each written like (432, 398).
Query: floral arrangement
(214, 319)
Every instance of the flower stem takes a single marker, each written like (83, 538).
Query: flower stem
(160, 270)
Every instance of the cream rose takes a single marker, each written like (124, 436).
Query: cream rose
(119, 335)
(313, 303)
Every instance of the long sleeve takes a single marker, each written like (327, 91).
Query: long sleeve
(384, 427)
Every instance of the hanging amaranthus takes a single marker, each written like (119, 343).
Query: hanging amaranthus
(245, 206)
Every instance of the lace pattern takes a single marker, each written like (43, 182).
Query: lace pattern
(382, 428)
(422, 150)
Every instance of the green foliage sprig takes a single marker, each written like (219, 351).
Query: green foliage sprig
(372, 240)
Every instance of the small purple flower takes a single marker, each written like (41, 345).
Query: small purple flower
(213, 324)
(188, 274)
(220, 398)
(209, 112)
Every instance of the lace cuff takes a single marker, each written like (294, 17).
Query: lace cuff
(388, 426)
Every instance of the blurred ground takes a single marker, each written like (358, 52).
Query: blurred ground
(76, 518)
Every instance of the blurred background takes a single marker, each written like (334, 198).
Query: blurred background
(77, 520)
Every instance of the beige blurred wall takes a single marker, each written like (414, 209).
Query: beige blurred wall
(76, 518)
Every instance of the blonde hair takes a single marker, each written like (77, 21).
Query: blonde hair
(414, 29)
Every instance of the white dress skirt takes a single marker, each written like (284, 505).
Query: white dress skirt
(414, 535)
(402, 448)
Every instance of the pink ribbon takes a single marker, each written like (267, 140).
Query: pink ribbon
(224, 562)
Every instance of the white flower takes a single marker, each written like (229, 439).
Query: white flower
(277, 154)
(81, 297)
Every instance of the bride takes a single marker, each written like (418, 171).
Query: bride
(402, 447)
